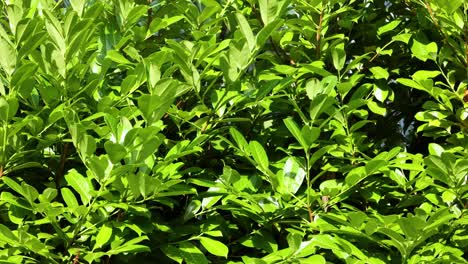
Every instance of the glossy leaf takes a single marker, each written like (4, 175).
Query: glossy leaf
(214, 247)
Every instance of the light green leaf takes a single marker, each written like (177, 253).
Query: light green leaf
(339, 56)
(320, 104)
(8, 61)
(310, 134)
(160, 23)
(14, 186)
(117, 57)
(449, 6)
(246, 30)
(7, 236)
(398, 177)
(296, 132)
(69, 198)
(411, 83)
(388, 27)
(78, 6)
(192, 254)
(435, 149)
(100, 166)
(449, 196)
(379, 72)
(376, 108)
(424, 75)
(313, 88)
(259, 154)
(103, 236)
(373, 166)
(294, 175)
(214, 247)
(405, 37)
(315, 259)
(80, 184)
(424, 51)
(268, 10)
(294, 241)
(115, 151)
(173, 253)
(380, 93)
(265, 32)
(153, 106)
(239, 139)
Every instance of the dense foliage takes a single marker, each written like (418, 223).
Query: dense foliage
(230, 131)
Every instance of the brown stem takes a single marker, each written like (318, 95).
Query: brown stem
(150, 15)
(319, 34)
(311, 214)
(61, 168)
(466, 43)
(76, 259)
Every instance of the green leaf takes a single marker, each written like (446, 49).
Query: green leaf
(214, 247)
(313, 88)
(8, 108)
(381, 93)
(69, 197)
(388, 27)
(26, 190)
(103, 236)
(259, 155)
(398, 177)
(424, 75)
(246, 30)
(7, 236)
(153, 106)
(80, 184)
(239, 139)
(294, 241)
(296, 132)
(424, 51)
(376, 108)
(294, 175)
(8, 61)
(355, 176)
(310, 134)
(117, 57)
(411, 83)
(135, 14)
(192, 254)
(268, 10)
(373, 166)
(435, 149)
(173, 253)
(266, 32)
(379, 72)
(321, 103)
(405, 37)
(192, 208)
(449, 6)
(160, 23)
(115, 151)
(78, 6)
(339, 56)
(100, 166)
(396, 239)
(315, 259)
